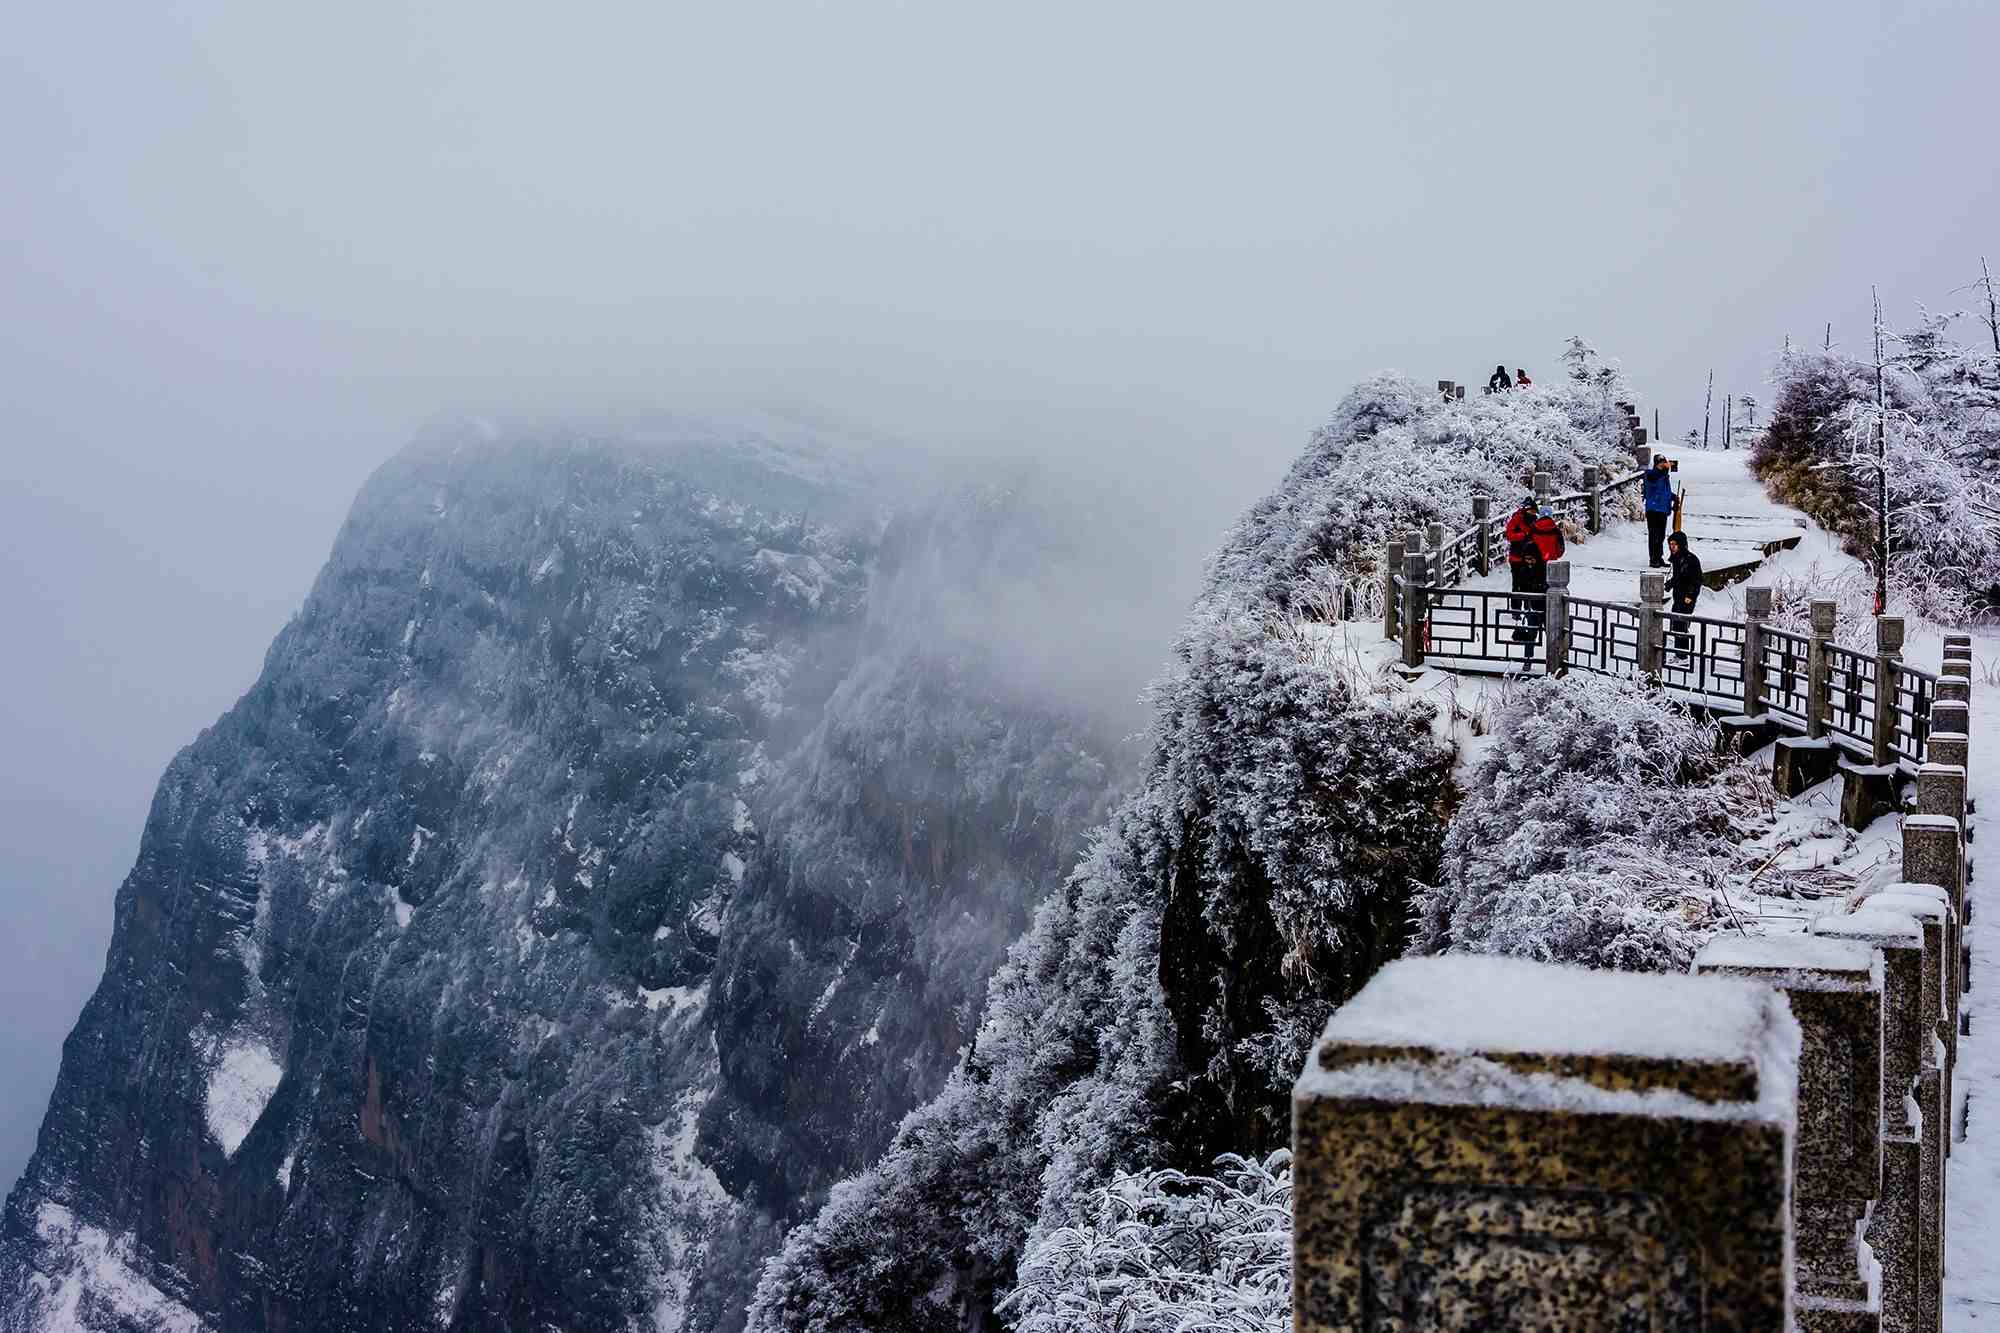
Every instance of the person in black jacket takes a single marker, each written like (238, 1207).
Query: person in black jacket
(1498, 381)
(1683, 582)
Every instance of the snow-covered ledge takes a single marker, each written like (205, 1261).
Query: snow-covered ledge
(1492, 1143)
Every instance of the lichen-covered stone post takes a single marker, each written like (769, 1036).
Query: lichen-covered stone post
(1414, 608)
(1756, 610)
(1835, 990)
(1895, 1225)
(1818, 693)
(1593, 485)
(1556, 604)
(1392, 569)
(1888, 655)
(1652, 606)
(1487, 1142)
(1482, 520)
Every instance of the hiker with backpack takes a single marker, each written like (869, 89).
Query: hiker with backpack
(1533, 539)
(1498, 382)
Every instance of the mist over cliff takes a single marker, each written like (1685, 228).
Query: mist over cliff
(613, 849)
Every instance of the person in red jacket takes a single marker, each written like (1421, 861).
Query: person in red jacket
(1533, 539)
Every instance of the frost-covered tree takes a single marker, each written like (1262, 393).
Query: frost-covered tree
(1165, 1252)
(1939, 422)
(1582, 833)
(1158, 1008)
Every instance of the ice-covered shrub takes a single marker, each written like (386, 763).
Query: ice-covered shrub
(1583, 832)
(1164, 1252)
(1395, 455)
(1938, 427)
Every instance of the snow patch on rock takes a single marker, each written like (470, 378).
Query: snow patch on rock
(102, 1284)
(241, 1085)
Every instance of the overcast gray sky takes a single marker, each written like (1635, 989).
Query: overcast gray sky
(247, 248)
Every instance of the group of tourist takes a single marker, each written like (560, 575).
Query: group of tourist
(1534, 538)
(1499, 382)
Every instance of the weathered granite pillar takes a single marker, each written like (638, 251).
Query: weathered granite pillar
(1818, 694)
(1800, 763)
(1486, 1142)
(1888, 655)
(1933, 1083)
(1555, 644)
(1953, 690)
(1947, 747)
(1950, 715)
(1414, 609)
(1482, 519)
(1941, 790)
(1951, 974)
(1895, 1225)
(1835, 990)
(1933, 854)
(1392, 569)
(1756, 611)
(1593, 484)
(1652, 604)
(1956, 666)
(1644, 456)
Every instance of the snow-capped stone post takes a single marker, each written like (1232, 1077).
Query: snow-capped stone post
(1956, 666)
(1951, 971)
(1934, 853)
(1652, 617)
(1556, 604)
(1482, 1142)
(1819, 701)
(1593, 513)
(1434, 552)
(1392, 569)
(1941, 790)
(1415, 564)
(1933, 1083)
(1544, 488)
(1894, 1227)
(1482, 519)
(1952, 715)
(1836, 995)
(1644, 455)
(1888, 656)
(1947, 747)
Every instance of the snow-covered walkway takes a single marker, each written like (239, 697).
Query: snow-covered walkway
(1729, 521)
(1972, 1237)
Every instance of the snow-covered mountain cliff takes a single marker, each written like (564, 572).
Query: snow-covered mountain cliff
(615, 846)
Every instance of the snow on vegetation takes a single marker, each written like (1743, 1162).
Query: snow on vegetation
(1590, 833)
(1163, 1252)
(1940, 433)
(245, 1077)
(1395, 456)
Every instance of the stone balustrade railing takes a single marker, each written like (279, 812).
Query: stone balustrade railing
(1494, 1143)
(1872, 717)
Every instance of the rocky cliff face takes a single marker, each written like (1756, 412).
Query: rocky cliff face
(607, 857)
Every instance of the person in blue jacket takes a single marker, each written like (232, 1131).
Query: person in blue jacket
(1659, 494)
